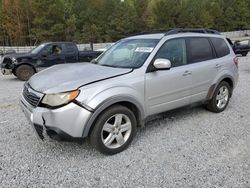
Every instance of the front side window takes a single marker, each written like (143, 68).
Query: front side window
(128, 53)
(175, 51)
(54, 49)
(199, 49)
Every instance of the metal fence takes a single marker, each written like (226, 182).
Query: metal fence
(81, 47)
(237, 34)
(96, 46)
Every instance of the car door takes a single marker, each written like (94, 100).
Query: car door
(201, 58)
(71, 53)
(52, 54)
(169, 89)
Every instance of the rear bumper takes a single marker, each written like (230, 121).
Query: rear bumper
(65, 123)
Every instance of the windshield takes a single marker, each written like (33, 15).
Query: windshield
(37, 49)
(129, 53)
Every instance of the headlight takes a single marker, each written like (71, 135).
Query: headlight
(14, 60)
(59, 99)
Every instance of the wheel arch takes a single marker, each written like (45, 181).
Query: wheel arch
(227, 78)
(18, 65)
(128, 102)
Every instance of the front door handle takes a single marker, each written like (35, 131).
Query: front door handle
(186, 73)
(217, 66)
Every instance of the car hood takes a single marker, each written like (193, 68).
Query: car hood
(18, 55)
(67, 77)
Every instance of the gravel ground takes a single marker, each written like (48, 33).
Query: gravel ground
(188, 147)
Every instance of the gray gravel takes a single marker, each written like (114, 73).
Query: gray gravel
(189, 147)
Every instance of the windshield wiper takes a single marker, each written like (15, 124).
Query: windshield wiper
(106, 65)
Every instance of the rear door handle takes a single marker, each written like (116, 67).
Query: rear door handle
(186, 73)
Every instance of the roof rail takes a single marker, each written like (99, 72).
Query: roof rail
(191, 30)
(178, 30)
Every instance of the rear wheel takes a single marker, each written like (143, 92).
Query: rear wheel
(114, 130)
(220, 98)
(24, 72)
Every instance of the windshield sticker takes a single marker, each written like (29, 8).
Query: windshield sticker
(144, 49)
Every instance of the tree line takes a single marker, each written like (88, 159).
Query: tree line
(29, 22)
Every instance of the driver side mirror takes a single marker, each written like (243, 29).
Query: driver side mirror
(162, 64)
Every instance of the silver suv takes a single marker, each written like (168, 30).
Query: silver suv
(139, 76)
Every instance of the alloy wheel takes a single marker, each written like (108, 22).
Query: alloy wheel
(116, 131)
(222, 97)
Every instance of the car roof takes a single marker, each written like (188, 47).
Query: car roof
(46, 43)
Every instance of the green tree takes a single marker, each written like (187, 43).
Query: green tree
(166, 13)
(54, 20)
(194, 13)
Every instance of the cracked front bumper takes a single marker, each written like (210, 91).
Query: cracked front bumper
(6, 71)
(66, 122)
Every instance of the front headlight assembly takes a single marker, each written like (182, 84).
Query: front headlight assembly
(14, 60)
(59, 99)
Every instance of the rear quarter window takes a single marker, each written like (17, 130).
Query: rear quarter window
(199, 49)
(220, 46)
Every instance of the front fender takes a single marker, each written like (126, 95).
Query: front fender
(25, 62)
(101, 100)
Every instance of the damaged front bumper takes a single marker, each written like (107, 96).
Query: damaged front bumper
(6, 71)
(65, 123)
(7, 66)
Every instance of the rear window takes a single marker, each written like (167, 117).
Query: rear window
(221, 48)
(199, 49)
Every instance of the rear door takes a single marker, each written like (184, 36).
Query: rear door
(201, 57)
(71, 53)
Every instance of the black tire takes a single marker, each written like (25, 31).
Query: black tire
(14, 72)
(96, 135)
(24, 72)
(212, 104)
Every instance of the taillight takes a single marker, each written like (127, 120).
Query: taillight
(236, 61)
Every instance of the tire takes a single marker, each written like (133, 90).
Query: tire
(14, 73)
(108, 135)
(221, 98)
(24, 72)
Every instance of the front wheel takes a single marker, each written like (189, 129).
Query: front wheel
(24, 72)
(220, 98)
(114, 130)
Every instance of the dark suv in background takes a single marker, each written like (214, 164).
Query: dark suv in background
(242, 47)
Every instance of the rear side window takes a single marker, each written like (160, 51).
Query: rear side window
(199, 49)
(220, 46)
(71, 48)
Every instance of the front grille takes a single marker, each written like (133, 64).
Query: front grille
(32, 98)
